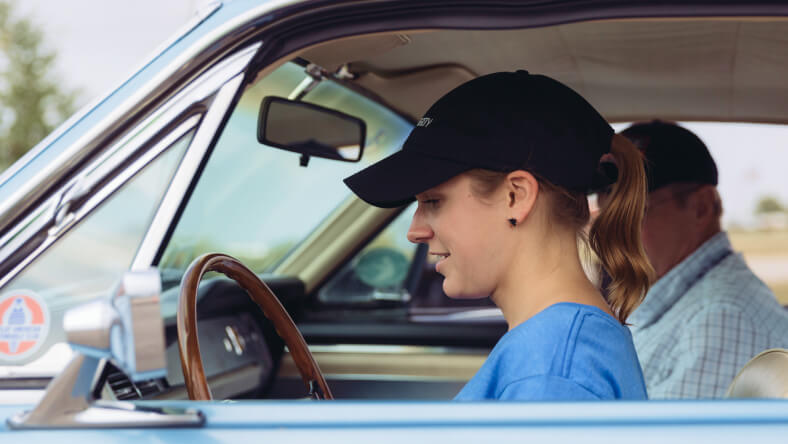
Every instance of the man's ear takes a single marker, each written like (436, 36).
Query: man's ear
(521, 190)
(702, 204)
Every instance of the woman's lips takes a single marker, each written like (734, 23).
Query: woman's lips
(442, 258)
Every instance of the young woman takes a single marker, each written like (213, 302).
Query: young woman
(501, 167)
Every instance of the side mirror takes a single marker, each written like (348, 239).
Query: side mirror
(126, 328)
(311, 130)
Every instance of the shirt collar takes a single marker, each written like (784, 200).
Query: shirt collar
(675, 283)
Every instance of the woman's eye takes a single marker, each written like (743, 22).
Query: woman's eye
(430, 202)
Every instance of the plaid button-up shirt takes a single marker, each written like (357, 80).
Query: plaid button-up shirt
(702, 321)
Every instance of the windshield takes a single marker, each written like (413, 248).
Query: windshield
(269, 203)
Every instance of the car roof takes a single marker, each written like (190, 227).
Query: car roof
(731, 69)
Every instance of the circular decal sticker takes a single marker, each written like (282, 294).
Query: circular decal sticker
(24, 324)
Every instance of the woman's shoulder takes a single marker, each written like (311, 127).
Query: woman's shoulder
(556, 331)
(562, 337)
(568, 341)
(589, 326)
(571, 318)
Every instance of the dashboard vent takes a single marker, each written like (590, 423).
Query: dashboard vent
(125, 390)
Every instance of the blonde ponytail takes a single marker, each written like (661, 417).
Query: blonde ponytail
(615, 234)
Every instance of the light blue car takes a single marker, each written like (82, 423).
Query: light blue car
(235, 138)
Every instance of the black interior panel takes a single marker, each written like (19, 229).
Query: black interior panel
(477, 335)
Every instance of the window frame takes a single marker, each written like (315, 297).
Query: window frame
(202, 104)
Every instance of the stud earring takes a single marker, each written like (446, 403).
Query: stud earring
(513, 222)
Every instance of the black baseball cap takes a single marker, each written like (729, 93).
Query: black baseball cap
(502, 122)
(673, 154)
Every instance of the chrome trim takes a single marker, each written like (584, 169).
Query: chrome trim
(125, 327)
(194, 92)
(200, 16)
(69, 402)
(394, 349)
(154, 89)
(236, 340)
(21, 396)
(33, 223)
(385, 377)
(474, 315)
(303, 88)
(97, 198)
(89, 327)
(391, 362)
(136, 300)
(46, 141)
(191, 161)
(68, 392)
(97, 171)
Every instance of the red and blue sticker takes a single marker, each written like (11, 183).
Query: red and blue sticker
(24, 324)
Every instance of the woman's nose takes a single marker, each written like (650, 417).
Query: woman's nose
(419, 231)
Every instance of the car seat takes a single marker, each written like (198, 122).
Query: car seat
(765, 376)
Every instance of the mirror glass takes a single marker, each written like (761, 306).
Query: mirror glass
(310, 129)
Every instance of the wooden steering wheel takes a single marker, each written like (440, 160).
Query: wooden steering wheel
(189, 346)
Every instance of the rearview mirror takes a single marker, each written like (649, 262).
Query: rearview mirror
(311, 130)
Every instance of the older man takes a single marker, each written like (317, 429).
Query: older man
(707, 314)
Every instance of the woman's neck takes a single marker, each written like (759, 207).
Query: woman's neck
(534, 282)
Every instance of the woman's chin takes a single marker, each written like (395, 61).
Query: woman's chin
(455, 293)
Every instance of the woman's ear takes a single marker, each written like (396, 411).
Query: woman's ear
(521, 191)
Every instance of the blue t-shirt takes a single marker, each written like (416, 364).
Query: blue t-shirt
(567, 351)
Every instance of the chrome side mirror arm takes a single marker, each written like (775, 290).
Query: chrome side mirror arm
(127, 329)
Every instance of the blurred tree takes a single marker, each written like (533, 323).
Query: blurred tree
(768, 204)
(32, 102)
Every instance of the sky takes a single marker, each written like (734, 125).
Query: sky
(100, 42)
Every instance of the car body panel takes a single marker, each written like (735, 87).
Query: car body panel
(348, 421)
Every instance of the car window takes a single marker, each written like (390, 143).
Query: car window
(754, 193)
(391, 269)
(379, 271)
(88, 260)
(270, 203)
